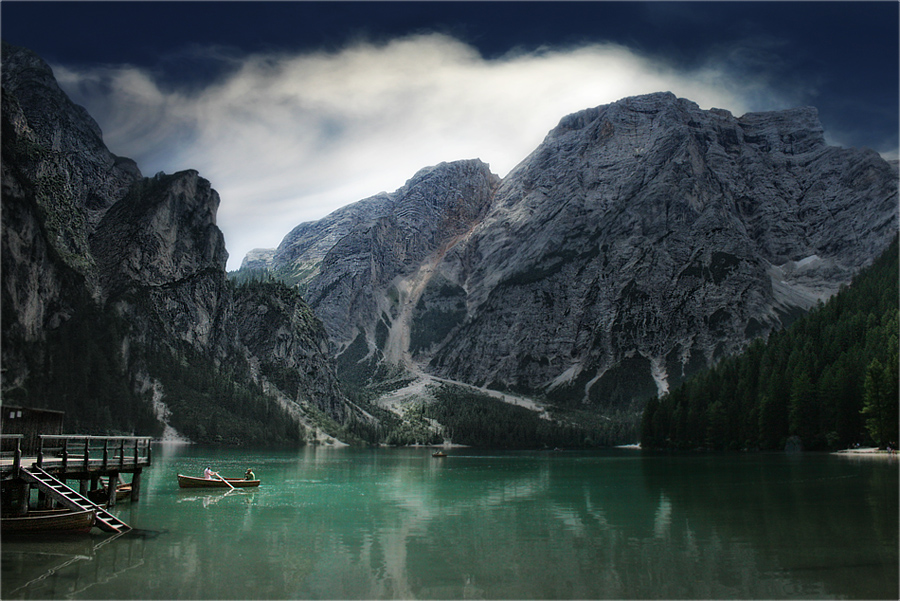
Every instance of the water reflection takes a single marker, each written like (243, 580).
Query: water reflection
(663, 519)
(64, 566)
(398, 524)
(209, 499)
(811, 525)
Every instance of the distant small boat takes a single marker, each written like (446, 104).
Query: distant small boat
(191, 482)
(439, 454)
(50, 521)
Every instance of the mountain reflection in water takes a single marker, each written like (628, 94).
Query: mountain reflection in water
(396, 523)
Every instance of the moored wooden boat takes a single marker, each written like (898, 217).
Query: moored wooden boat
(439, 454)
(50, 521)
(191, 482)
(123, 492)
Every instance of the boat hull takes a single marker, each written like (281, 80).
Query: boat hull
(191, 482)
(123, 493)
(55, 521)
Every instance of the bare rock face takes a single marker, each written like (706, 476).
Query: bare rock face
(164, 231)
(58, 181)
(160, 244)
(286, 341)
(259, 259)
(364, 266)
(641, 241)
(303, 249)
(59, 147)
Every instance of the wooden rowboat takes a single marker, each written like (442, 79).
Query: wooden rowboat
(123, 492)
(191, 482)
(50, 521)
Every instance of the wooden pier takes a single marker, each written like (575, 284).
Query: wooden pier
(61, 457)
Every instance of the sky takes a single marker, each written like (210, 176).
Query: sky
(294, 109)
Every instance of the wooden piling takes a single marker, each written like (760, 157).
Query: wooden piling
(111, 489)
(136, 486)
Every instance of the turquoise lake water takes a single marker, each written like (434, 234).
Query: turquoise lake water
(399, 524)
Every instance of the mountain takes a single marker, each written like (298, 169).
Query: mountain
(642, 241)
(116, 306)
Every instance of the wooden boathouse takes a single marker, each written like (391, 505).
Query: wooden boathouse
(47, 462)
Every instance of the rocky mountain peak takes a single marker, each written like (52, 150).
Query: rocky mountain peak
(48, 110)
(443, 191)
(407, 230)
(54, 144)
(636, 121)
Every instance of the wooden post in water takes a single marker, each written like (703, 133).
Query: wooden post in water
(87, 453)
(136, 485)
(105, 453)
(24, 497)
(111, 489)
(17, 458)
(65, 455)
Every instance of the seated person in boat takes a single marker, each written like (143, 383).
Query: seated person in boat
(209, 474)
(249, 475)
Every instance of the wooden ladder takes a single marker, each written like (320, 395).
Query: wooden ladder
(72, 499)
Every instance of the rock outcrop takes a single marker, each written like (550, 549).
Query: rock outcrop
(113, 280)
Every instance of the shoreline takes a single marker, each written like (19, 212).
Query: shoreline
(870, 452)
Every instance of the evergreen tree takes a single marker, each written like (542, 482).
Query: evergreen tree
(880, 407)
(803, 410)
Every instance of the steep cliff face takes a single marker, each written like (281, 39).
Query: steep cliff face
(161, 243)
(115, 282)
(288, 346)
(58, 181)
(641, 241)
(60, 151)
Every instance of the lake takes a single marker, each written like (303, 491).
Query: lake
(398, 524)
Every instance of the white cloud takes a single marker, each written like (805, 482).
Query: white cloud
(290, 138)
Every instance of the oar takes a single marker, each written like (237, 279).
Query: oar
(226, 482)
